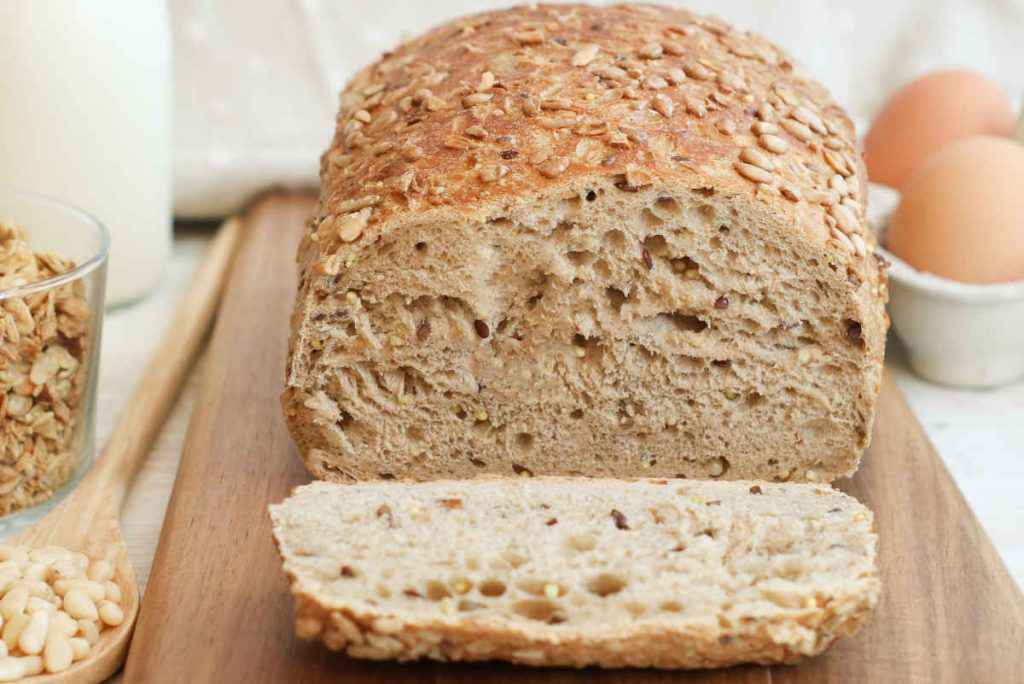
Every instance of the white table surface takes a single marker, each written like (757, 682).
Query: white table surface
(979, 434)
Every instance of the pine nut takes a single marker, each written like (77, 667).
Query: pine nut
(31, 665)
(13, 629)
(65, 623)
(80, 606)
(14, 602)
(79, 647)
(33, 637)
(58, 655)
(36, 571)
(100, 571)
(88, 630)
(11, 669)
(111, 613)
(54, 604)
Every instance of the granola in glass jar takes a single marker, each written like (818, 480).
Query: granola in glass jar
(44, 339)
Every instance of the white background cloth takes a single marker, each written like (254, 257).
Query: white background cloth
(257, 81)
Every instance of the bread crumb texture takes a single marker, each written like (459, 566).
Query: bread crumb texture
(612, 241)
(557, 571)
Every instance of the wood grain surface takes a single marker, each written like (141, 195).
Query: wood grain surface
(217, 607)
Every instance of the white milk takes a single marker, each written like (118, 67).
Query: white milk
(85, 116)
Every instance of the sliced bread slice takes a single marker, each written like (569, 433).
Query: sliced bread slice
(571, 571)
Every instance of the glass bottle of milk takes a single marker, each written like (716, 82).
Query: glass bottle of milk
(85, 116)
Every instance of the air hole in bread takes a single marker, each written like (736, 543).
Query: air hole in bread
(656, 245)
(492, 588)
(616, 298)
(460, 413)
(514, 558)
(500, 222)
(602, 269)
(346, 421)
(465, 606)
(415, 434)
(581, 542)
(571, 205)
(707, 213)
(667, 206)
(576, 414)
(421, 247)
(650, 219)
(755, 399)
(540, 610)
(716, 243)
(685, 267)
(436, 590)
(536, 587)
(671, 607)
(684, 322)
(580, 259)
(591, 195)
(606, 584)
(616, 239)
(636, 609)
(524, 441)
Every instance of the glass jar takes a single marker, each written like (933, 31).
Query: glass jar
(53, 261)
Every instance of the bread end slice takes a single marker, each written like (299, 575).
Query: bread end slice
(575, 572)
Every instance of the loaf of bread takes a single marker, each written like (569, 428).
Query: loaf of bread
(621, 241)
(575, 571)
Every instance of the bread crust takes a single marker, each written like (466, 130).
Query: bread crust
(463, 123)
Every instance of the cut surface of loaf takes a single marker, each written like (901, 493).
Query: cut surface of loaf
(576, 572)
(620, 241)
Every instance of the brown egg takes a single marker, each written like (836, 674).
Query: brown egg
(962, 213)
(928, 113)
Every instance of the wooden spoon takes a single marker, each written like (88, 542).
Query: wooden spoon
(88, 520)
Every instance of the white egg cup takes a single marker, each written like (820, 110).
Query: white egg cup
(959, 334)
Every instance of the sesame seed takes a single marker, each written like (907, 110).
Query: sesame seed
(726, 126)
(532, 36)
(585, 55)
(752, 155)
(611, 73)
(843, 241)
(662, 104)
(554, 122)
(858, 244)
(773, 143)
(753, 173)
(351, 226)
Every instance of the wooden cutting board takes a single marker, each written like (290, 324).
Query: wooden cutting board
(217, 607)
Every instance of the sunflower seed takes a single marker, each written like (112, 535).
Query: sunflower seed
(752, 155)
(695, 106)
(476, 99)
(773, 143)
(651, 50)
(655, 82)
(585, 55)
(698, 71)
(806, 116)
(789, 192)
(553, 167)
(764, 128)
(675, 75)
(487, 82)
(846, 220)
(797, 130)
(663, 105)
(753, 173)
